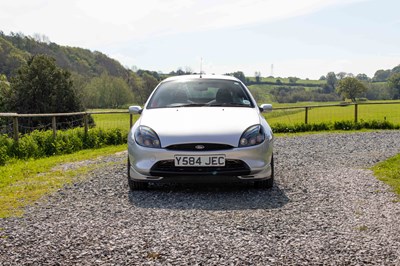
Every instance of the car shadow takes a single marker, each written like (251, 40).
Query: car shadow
(208, 197)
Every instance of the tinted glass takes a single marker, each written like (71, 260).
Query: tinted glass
(200, 92)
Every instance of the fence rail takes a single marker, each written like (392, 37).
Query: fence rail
(292, 114)
(85, 115)
(355, 113)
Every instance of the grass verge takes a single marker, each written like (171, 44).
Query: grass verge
(24, 182)
(389, 172)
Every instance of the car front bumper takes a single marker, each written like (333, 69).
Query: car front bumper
(242, 164)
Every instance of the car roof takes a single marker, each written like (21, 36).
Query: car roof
(202, 76)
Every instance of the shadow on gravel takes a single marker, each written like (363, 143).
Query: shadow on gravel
(208, 197)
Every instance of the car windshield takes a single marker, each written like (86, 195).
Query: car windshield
(200, 92)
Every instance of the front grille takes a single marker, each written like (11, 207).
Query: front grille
(200, 147)
(231, 168)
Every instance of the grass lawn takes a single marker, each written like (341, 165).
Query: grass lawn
(107, 121)
(389, 172)
(389, 112)
(23, 182)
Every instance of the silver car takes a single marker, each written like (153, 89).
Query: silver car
(200, 128)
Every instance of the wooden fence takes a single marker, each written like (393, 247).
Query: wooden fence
(85, 115)
(15, 124)
(355, 106)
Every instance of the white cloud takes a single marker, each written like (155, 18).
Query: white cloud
(143, 19)
(91, 23)
(111, 27)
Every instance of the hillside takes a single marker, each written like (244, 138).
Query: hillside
(15, 49)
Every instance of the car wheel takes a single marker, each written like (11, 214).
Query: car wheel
(135, 185)
(268, 183)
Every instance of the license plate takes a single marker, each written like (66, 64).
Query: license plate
(201, 160)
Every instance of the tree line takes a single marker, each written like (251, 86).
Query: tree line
(97, 81)
(335, 86)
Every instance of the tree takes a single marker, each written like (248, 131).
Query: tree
(341, 75)
(239, 75)
(293, 79)
(396, 69)
(394, 84)
(350, 88)
(331, 82)
(382, 75)
(42, 87)
(142, 86)
(362, 77)
(5, 93)
(107, 92)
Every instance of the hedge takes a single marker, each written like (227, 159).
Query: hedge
(43, 144)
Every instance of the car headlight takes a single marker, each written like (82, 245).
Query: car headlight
(254, 135)
(146, 137)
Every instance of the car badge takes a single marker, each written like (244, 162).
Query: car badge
(199, 147)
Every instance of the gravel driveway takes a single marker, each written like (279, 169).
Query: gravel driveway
(326, 208)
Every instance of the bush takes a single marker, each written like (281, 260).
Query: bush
(25, 148)
(5, 147)
(43, 143)
(338, 125)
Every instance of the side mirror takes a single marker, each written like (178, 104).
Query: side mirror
(266, 108)
(135, 109)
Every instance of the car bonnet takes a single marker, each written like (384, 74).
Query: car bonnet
(223, 125)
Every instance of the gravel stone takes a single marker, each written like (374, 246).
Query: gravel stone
(326, 208)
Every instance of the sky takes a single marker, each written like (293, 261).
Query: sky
(282, 38)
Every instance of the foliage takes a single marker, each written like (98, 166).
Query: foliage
(11, 57)
(381, 75)
(394, 84)
(17, 48)
(293, 79)
(40, 144)
(107, 92)
(180, 72)
(286, 94)
(362, 77)
(331, 82)
(42, 87)
(338, 125)
(239, 75)
(350, 88)
(5, 148)
(142, 86)
(378, 91)
(5, 93)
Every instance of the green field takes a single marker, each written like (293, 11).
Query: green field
(286, 80)
(366, 112)
(113, 120)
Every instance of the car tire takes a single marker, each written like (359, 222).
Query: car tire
(135, 185)
(267, 183)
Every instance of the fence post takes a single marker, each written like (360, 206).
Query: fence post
(355, 113)
(306, 118)
(54, 126)
(86, 121)
(15, 128)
